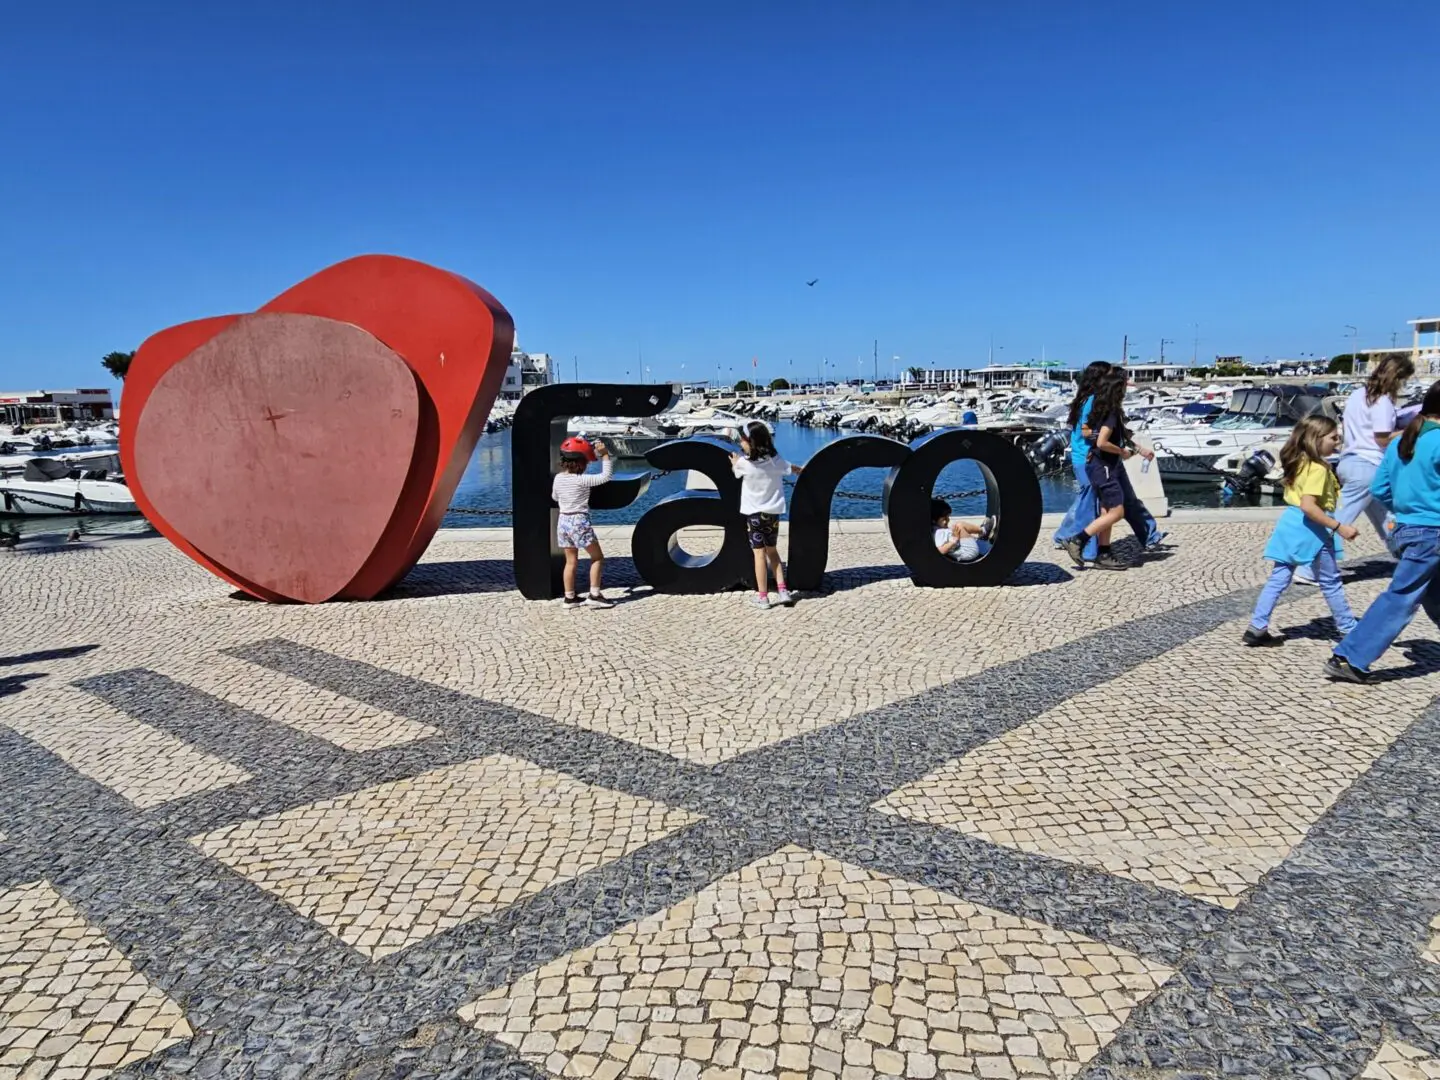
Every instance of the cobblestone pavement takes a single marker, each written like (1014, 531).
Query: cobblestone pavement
(1068, 827)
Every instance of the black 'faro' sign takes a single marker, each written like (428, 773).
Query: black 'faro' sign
(540, 426)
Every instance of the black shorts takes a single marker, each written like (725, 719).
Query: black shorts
(764, 530)
(1105, 480)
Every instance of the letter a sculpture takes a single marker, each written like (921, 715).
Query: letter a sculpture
(307, 452)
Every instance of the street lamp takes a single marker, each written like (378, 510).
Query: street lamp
(1354, 349)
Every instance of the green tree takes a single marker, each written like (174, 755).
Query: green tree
(743, 386)
(117, 363)
(779, 384)
(1344, 364)
(916, 373)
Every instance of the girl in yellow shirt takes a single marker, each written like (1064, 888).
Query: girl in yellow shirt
(1306, 533)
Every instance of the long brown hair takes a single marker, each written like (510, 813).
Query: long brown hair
(1429, 408)
(1303, 446)
(1388, 377)
(1085, 388)
(1110, 399)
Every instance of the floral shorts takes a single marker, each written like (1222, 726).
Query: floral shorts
(764, 530)
(575, 531)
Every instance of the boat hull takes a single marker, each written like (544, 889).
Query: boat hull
(64, 498)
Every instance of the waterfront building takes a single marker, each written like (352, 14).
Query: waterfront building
(1426, 348)
(1139, 373)
(989, 377)
(525, 373)
(28, 407)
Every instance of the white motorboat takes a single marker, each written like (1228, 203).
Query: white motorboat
(50, 486)
(1255, 415)
(634, 438)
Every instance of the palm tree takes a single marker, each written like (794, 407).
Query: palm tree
(117, 363)
(915, 373)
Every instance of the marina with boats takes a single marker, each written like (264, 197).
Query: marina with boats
(1216, 442)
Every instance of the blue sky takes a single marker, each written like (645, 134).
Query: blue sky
(662, 179)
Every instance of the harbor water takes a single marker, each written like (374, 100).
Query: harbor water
(483, 497)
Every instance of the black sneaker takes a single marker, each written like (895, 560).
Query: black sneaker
(1075, 547)
(598, 600)
(573, 602)
(1337, 667)
(987, 528)
(1255, 638)
(1110, 561)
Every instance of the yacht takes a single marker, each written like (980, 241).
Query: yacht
(81, 484)
(1254, 415)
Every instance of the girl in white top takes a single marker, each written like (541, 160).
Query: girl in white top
(573, 531)
(762, 473)
(1368, 428)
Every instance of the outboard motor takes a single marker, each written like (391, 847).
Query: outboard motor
(1247, 479)
(1047, 451)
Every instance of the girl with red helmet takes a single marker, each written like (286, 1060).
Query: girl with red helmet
(571, 491)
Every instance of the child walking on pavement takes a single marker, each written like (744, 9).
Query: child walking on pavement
(1105, 470)
(1305, 534)
(571, 492)
(762, 473)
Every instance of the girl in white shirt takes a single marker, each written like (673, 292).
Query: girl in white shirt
(1368, 428)
(762, 473)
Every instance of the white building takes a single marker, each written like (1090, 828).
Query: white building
(1426, 348)
(525, 373)
(990, 377)
(55, 406)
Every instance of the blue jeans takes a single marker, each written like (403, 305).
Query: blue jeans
(1327, 576)
(1414, 585)
(1083, 511)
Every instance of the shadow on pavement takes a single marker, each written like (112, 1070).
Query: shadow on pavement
(47, 654)
(13, 684)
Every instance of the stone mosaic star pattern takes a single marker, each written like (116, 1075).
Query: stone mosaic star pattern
(1130, 778)
(71, 1006)
(141, 704)
(390, 865)
(1398, 1061)
(801, 965)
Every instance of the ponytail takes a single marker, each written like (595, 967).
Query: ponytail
(1411, 434)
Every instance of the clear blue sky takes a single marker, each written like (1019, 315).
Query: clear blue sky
(650, 177)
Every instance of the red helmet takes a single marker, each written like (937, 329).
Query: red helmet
(577, 445)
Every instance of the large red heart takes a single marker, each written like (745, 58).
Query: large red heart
(452, 335)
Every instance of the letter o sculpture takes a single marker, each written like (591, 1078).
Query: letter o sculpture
(1012, 484)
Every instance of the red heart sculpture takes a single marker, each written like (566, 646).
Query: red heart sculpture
(343, 501)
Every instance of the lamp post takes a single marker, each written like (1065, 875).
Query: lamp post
(1354, 349)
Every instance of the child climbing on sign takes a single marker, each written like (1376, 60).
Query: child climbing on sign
(1305, 534)
(571, 492)
(762, 473)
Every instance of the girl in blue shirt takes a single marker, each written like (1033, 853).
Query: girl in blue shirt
(1408, 482)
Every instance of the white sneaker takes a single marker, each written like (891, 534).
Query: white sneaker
(1303, 579)
(785, 598)
(759, 601)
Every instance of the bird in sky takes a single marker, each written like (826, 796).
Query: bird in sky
(812, 281)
